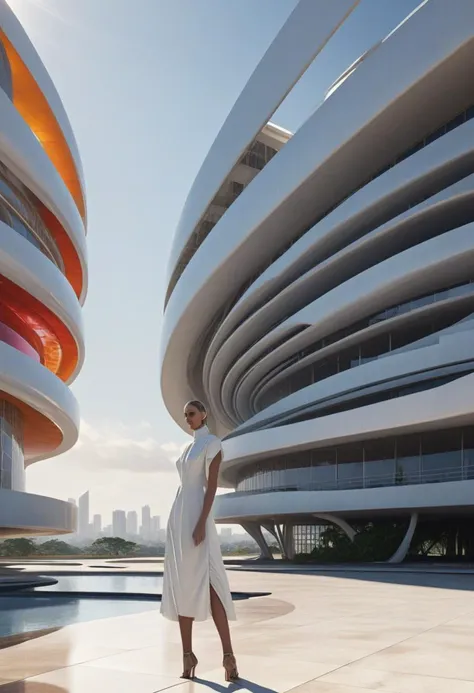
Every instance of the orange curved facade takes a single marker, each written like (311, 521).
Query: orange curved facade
(40, 434)
(35, 110)
(72, 264)
(43, 330)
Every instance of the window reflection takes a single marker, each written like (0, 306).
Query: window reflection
(431, 457)
(12, 468)
(18, 212)
(442, 455)
(468, 452)
(397, 337)
(379, 462)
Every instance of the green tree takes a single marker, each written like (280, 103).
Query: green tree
(56, 547)
(18, 547)
(114, 546)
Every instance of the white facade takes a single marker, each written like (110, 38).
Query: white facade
(326, 314)
(43, 281)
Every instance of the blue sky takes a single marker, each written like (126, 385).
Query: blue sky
(147, 85)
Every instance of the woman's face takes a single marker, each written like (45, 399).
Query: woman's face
(194, 418)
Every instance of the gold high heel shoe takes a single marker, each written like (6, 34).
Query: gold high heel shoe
(230, 665)
(189, 665)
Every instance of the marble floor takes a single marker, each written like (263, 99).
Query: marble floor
(331, 632)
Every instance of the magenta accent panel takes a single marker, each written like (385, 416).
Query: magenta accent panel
(10, 337)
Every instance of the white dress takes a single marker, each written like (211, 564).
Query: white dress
(190, 570)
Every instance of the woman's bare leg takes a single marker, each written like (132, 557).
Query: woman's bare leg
(219, 616)
(186, 630)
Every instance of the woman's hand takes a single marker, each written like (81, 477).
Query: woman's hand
(199, 533)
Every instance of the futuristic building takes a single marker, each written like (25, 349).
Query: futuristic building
(43, 281)
(324, 306)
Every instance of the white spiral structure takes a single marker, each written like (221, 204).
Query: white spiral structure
(321, 284)
(43, 281)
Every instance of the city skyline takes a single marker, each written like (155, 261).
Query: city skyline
(134, 522)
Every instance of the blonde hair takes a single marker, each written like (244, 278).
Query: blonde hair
(197, 404)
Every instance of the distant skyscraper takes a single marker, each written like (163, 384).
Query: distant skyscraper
(119, 523)
(97, 525)
(83, 515)
(155, 528)
(146, 523)
(132, 523)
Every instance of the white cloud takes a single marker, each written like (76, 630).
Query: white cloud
(173, 448)
(121, 447)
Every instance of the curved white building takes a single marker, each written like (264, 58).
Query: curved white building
(321, 285)
(43, 281)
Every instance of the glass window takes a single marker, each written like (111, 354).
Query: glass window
(379, 462)
(350, 467)
(6, 191)
(6, 462)
(441, 455)
(301, 378)
(323, 473)
(407, 334)
(349, 358)
(374, 347)
(5, 215)
(408, 460)
(291, 479)
(280, 390)
(468, 452)
(7, 445)
(6, 479)
(324, 369)
(268, 399)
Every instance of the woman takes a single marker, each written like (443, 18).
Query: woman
(195, 582)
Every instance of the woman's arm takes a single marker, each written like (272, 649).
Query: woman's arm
(200, 530)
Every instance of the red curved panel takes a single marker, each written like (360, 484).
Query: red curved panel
(12, 338)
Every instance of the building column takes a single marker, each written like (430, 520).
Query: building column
(255, 531)
(289, 540)
(401, 552)
(339, 522)
(281, 541)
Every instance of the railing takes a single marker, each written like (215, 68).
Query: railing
(398, 478)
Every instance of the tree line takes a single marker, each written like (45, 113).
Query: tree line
(105, 546)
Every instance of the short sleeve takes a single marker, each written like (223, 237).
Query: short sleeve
(214, 447)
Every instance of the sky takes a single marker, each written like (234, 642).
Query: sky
(147, 85)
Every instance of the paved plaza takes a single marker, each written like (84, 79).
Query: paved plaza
(332, 632)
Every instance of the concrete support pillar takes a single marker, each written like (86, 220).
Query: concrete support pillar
(281, 541)
(255, 531)
(401, 552)
(339, 522)
(288, 539)
(270, 528)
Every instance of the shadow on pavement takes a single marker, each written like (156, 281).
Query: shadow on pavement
(224, 688)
